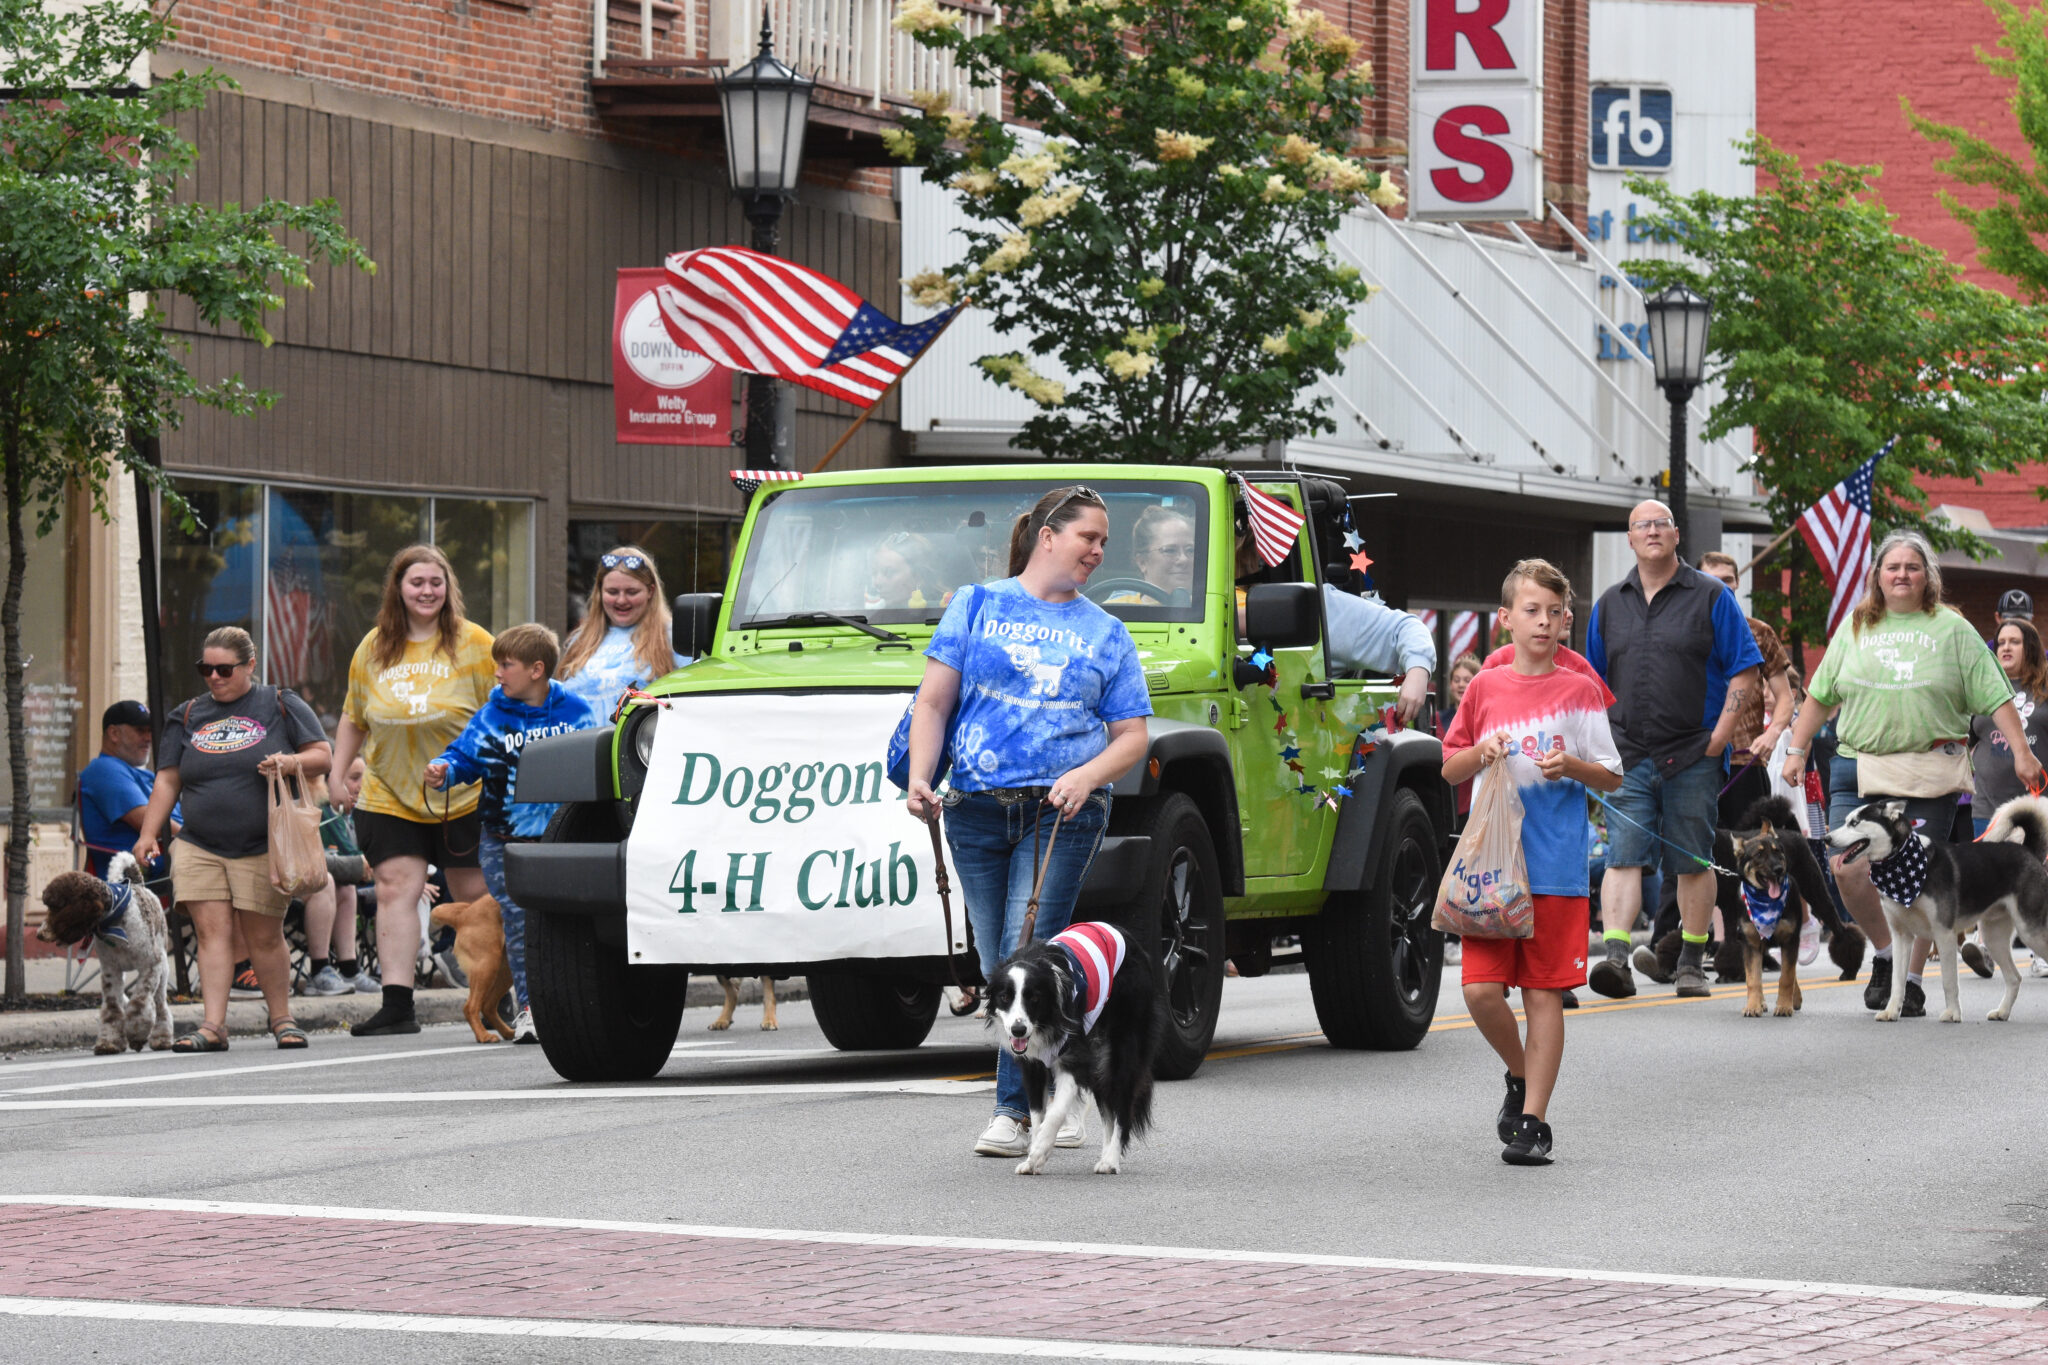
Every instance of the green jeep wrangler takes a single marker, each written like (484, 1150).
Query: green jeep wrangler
(735, 820)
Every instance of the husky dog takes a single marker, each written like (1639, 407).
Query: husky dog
(1941, 891)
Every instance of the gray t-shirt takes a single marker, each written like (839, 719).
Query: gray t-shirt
(1991, 756)
(216, 748)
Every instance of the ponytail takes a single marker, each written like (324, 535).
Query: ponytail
(1054, 510)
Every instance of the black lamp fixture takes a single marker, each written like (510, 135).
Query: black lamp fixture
(767, 107)
(1679, 320)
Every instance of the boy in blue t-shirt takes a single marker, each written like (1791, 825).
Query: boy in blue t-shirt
(1544, 729)
(526, 705)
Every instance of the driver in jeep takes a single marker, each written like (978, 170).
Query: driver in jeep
(1367, 637)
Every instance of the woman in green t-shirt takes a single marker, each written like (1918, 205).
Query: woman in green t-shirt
(1903, 679)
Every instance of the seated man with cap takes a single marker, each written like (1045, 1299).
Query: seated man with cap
(113, 789)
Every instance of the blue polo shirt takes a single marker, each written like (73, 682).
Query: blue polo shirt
(107, 790)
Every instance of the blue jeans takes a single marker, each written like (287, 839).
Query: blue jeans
(1680, 809)
(992, 856)
(490, 856)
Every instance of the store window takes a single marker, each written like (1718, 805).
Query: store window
(302, 569)
(52, 596)
(692, 554)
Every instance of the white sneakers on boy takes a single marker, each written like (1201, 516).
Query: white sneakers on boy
(522, 1028)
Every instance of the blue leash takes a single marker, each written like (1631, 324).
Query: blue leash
(1708, 864)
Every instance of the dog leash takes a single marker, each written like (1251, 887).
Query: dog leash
(447, 804)
(1038, 878)
(1708, 864)
(945, 900)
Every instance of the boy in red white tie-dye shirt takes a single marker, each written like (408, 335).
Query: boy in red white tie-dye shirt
(1543, 728)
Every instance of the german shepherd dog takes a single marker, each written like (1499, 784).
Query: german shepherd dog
(1999, 882)
(1770, 854)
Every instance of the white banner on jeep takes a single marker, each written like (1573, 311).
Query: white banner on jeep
(767, 833)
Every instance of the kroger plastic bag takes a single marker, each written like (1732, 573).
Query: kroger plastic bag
(1485, 891)
(298, 860)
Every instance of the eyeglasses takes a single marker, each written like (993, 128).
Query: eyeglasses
(1173, 551)
(207, 670)
(1653, 524)
(621, 561)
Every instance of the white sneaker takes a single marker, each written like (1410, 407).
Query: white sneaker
(522, 1028)
(2038, 967)
(1004, 1136)
(1072, 1131)
(366, 984)
(326, 981)
(1454, 952)
(1809, 940)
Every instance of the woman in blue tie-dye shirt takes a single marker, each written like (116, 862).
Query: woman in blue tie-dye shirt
(1046, 704)
(624, 639)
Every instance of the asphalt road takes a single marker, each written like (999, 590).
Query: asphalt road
(1691, 1142)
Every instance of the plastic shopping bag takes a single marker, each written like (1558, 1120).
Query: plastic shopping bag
(1485, 891)
(298, 860)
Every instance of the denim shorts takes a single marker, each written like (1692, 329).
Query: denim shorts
(1935, 814)
(1680, 809)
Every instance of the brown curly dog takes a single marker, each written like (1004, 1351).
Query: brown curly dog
(125, 921)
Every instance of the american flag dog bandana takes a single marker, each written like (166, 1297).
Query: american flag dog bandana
(1096, 952)
(1902, 875)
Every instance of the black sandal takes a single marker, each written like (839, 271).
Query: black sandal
(287, 1032)
(202, 1039)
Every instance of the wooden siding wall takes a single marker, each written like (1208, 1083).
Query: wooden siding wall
(477, 359)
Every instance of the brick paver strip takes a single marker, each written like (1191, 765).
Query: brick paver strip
(590, 1274)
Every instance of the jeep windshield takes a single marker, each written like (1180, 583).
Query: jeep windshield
(894, 554)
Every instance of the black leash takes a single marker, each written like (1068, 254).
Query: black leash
(1038, 878)
(447, 804)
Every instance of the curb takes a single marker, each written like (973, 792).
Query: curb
(40, 1031)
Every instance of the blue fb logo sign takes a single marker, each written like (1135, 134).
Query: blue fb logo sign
(1631, 128)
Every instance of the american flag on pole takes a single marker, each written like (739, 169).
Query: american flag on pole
(296, 631)
(1275, 524)
(1837, 530)
(760, 314)
(1464, 634)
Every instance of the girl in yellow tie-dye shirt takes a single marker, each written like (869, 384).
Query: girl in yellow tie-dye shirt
(413, 684)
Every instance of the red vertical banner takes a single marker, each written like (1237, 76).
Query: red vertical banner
(662, 393)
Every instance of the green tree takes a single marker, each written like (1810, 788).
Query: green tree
(93, 242)
(2008, 230)
(1833, 333)
(1162, 234)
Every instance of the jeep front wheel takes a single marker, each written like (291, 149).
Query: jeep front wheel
(1374, 964)
(872, 1013)
(599, 1018)
(1189, 893)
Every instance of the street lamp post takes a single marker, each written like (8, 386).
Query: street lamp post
(767, 106)
(1678, 351)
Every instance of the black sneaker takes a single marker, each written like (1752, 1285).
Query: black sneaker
(1529, 1145)
(1691, 982)
(1915, 1003)
(1973, 958)
(386, 1021)
(1511, 1107)
(1571, 999)
(1611, 977)
(1645, 959)
(1880, 988)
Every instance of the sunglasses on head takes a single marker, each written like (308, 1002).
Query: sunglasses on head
(207, 670)
(622, 561)
(1080, 492)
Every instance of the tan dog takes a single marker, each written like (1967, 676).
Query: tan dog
(732, 1002)
(480, 949)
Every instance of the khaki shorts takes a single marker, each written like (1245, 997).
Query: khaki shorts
(197, 875)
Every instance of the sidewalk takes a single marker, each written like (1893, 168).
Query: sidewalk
(38, 1030)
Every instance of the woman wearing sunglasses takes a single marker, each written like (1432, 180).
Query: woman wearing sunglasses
(217, 753)
(1051, 705)
(624, 638)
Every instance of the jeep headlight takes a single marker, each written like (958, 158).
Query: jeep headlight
(636, 754)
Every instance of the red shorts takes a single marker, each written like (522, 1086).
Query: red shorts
(1551, 959)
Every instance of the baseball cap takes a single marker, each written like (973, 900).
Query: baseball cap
(126, 713)
(2014, 602)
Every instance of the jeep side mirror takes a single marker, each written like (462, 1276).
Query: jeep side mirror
(1283, 615)
(695, 620)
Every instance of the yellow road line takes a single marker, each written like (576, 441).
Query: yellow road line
(1450, 1023)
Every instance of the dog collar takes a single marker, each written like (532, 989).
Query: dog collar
(1901, 876)
(1764, 910)
(110, 926)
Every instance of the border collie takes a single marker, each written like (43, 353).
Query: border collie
(1948, 889)
(1081, 1010)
